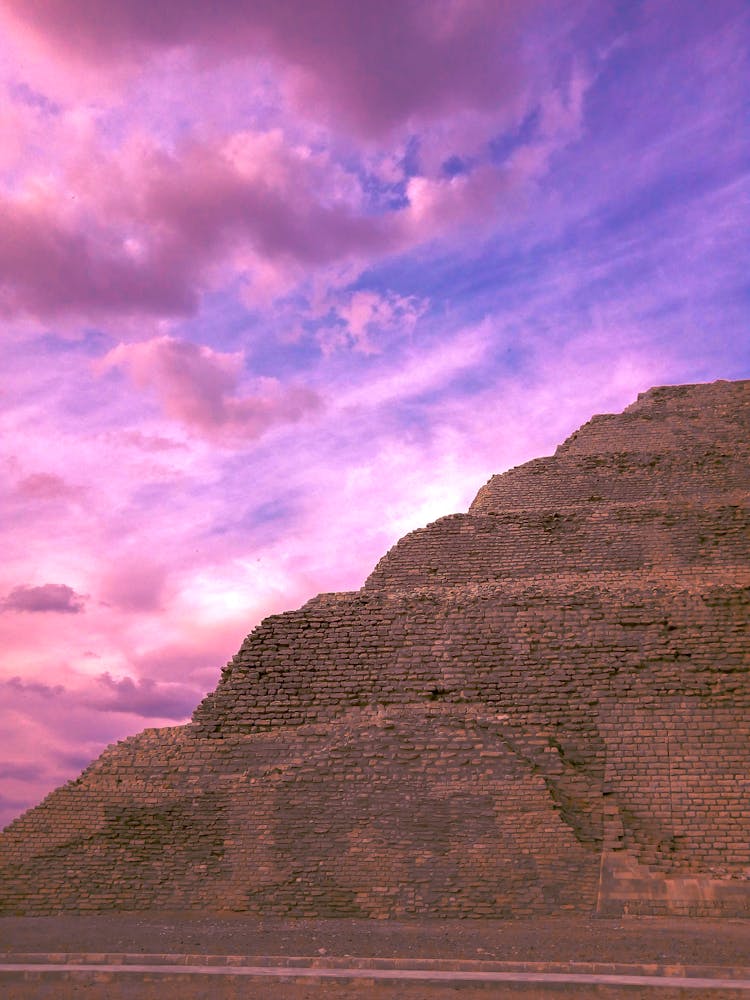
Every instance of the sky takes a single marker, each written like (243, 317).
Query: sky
(281, 280)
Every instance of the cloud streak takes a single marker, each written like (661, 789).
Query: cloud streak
(441, 56)
(245, 203)
(57, 598)
(197, 387)
(144, 697)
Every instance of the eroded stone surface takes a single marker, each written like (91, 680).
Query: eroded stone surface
(537, 706)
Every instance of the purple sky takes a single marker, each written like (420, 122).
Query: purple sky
(281, 280)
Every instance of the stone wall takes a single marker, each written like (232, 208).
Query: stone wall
(538, 705)
(620, 477)
(534, 650)
(473, 548)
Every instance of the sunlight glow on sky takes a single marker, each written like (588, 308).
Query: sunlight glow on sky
(281, 280)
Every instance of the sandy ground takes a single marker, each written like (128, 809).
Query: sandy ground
(227, 990)
(630, 940)
(551, 939)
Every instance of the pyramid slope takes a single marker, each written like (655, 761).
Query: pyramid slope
(539, 705)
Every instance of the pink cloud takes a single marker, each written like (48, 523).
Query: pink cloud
(197, 386)
(144, 697)
(487, 198)
(120, 223)
(49, 266)
(377, 67)
(365, 318)
(149, 230)
(52, 597)
(36, 688)
(150, 442)
(45, 486)
(13, 131)
(251, 190)
(371, 66)
(193, 381)
(135, 586)
(146, 229)
(195, 657)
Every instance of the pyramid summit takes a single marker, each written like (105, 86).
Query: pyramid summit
(540, 705)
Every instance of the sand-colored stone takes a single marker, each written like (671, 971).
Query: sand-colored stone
(539, 706)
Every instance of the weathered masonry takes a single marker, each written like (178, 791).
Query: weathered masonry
(540, 705)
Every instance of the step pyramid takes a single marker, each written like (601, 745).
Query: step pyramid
(539, 706)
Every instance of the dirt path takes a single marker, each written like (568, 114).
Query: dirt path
(560, 939)
(130, 978)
